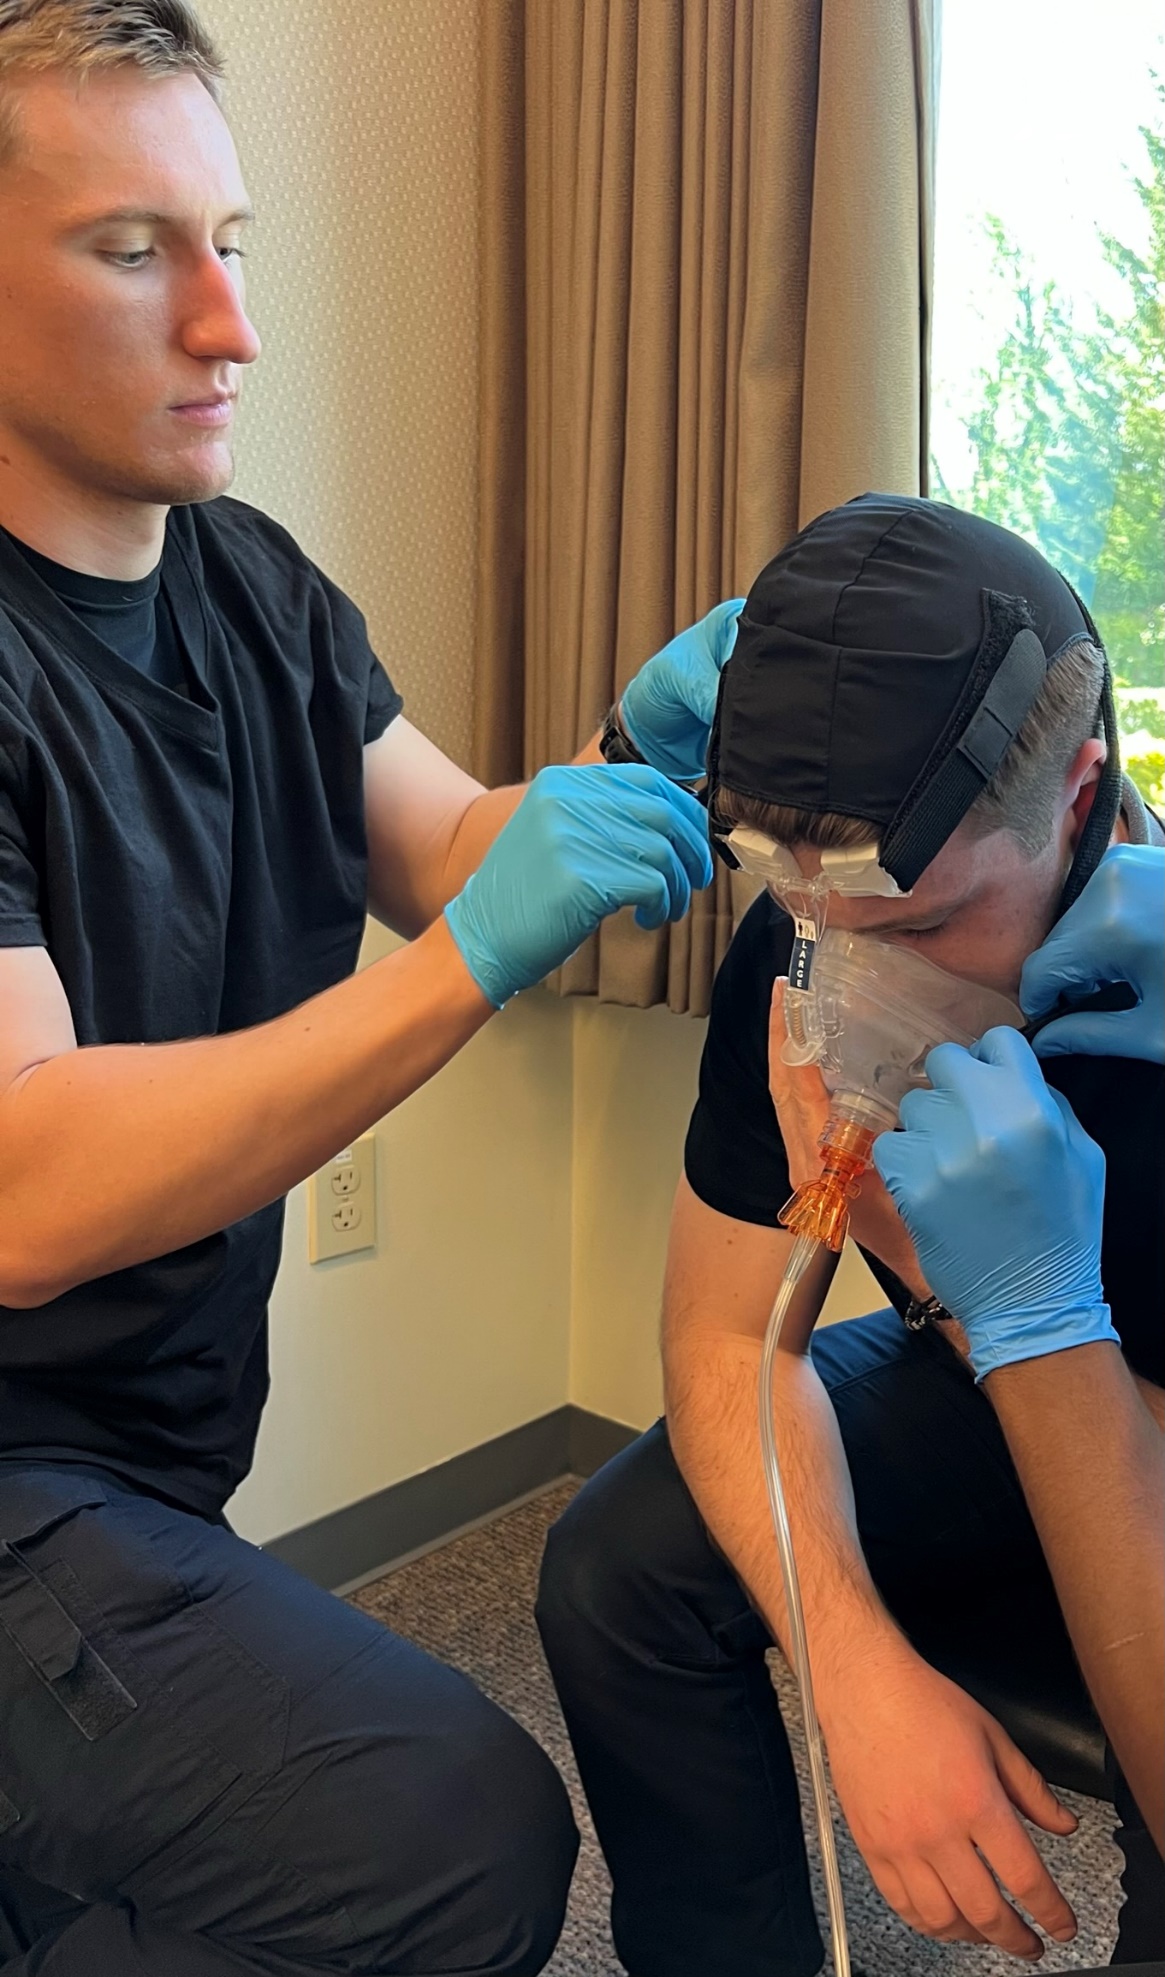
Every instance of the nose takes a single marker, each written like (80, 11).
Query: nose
(216, 324)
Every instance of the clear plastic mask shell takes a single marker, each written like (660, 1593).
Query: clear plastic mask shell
(873, 1011)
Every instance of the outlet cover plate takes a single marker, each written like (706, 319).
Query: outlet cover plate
(341, 1203)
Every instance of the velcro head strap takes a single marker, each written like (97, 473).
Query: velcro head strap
(1008, 673)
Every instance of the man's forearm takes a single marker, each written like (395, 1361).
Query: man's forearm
(113, 1154)
(712, 1414)
(479, 826)
(1092, 1463)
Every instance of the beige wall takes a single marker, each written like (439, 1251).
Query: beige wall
(357, 125)
(524, 1195)
(457, 1327)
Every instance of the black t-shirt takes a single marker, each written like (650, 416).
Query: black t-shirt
(194, 864)
(130, 615)
(735, 1158)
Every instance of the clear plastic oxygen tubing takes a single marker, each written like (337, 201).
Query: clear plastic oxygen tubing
(867, 1019)
(805, 1249)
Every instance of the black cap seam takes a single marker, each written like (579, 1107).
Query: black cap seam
(859, 573)
(871, 552)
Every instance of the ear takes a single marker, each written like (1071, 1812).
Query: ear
(1080, 787)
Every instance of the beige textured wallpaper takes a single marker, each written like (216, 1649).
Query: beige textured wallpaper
(357, 123)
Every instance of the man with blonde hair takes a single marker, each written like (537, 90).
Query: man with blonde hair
(207, 1764)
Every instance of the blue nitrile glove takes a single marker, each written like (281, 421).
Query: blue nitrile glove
(668, 707)
(1003, 1193)
(1114, 932)
(581, 843)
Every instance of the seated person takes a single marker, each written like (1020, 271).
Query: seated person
(919, 678)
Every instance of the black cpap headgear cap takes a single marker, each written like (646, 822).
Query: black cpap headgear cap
(884, 662)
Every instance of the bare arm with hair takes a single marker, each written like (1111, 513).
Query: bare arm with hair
(1091, 1457)
(957, 1779)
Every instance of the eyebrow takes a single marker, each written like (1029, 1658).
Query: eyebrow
(143, 216)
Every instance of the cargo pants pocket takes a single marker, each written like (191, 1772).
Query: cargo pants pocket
(96, 1753)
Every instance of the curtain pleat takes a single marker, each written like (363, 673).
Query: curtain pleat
(713, 252)
(500, 640)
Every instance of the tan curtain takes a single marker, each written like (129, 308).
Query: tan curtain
(705, 272)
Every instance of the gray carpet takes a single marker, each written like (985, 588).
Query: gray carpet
(471, 1603)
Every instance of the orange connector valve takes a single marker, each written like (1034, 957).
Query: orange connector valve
(821, 1208)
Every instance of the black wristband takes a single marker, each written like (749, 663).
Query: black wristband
(924, 1311)
(615, 744)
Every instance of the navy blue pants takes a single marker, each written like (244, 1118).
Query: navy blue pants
(658, 1659)
(209, 1766)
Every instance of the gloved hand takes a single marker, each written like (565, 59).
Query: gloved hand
(582, 843)
(667, 709)
(1003, 1192)
(1114, 932)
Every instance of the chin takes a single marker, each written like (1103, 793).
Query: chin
(199, 481)
(177, 483)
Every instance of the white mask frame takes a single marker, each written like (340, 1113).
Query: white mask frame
(850, 869)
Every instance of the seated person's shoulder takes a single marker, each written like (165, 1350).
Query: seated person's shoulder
(734, 1158)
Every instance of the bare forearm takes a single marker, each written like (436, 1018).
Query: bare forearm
(114, 1154)
(711, 1383)
(1091, 1459)
(478, 828)
(481, 823)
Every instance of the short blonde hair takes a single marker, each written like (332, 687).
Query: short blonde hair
(160, 37)
(1021, 796)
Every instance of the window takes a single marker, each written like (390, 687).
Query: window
(1048, 378)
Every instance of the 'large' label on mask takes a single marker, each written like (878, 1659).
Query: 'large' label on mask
(801, 958)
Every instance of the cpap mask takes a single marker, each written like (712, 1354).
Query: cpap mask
(853, 871)
(862, 1008)
(871, 1014)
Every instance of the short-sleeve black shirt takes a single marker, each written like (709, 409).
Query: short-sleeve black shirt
(194, 864)
(735, 1159)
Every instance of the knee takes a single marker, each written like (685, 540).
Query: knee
(579, 1565)
(615, 1556)
(523, 1842)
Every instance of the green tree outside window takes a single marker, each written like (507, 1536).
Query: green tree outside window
(1067, 447)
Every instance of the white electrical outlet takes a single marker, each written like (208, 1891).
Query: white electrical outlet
(341, 1202)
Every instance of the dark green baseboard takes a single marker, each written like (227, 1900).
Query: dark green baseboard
(370, 1537)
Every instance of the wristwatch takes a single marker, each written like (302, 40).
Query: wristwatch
(615, 744)
(924, 1311)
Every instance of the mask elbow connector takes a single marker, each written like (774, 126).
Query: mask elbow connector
(820, 1209)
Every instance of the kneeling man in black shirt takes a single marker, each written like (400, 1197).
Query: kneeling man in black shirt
(915, 694)
(206, 1764)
